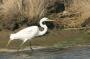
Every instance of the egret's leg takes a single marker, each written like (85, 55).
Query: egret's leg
(30, 46)
(22, 44)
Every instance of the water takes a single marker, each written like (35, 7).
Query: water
(50, 53)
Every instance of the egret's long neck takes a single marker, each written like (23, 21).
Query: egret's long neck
(44, 27)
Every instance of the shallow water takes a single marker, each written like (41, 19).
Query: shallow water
(50, 53)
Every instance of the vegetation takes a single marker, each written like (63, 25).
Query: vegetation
(80, 38)
(81, 7)
(19, 12)
(15, 14)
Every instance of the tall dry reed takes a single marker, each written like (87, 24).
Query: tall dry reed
(81, 6)
(30, 9)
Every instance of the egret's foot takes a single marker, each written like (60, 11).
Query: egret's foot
(30, 46)
(31, 50)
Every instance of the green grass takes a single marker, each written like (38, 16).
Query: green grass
(55, 38)
(81, 38)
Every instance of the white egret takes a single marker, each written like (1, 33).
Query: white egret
(30, 32)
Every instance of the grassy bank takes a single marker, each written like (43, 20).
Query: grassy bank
(56, 38)
(74, 39)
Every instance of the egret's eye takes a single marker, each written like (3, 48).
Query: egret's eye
(44, 22)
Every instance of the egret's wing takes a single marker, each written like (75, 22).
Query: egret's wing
(28, 30)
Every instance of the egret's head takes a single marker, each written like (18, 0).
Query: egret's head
(46, 19)
(11, 38)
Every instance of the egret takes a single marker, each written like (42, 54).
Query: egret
(30, 32)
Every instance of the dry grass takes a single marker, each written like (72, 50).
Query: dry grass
(35, 8)
(10, 8)
(29, 8)
(81, 6)
(19, 10)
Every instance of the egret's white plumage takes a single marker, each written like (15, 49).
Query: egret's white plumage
(30, 32)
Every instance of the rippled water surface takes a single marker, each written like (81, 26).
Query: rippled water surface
(50, 53)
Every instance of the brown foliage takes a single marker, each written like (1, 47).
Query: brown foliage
(81, 6)
(26, 8)
(20, 10)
